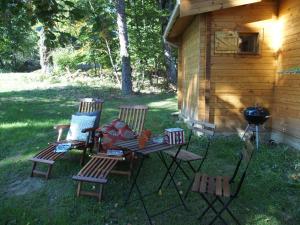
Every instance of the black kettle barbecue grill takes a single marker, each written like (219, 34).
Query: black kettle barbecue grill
(256, 116)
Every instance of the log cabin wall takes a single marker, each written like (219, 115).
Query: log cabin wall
(286, 108)
(239, 81)
(189, 76)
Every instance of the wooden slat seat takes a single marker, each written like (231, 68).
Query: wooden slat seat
(216, 185)
(184, 155)
(49, 156)
(96, 171)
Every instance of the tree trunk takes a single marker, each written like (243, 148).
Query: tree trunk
(168, 55)
(170, 64)
(46, 59)
(114, 66)
(123, 38)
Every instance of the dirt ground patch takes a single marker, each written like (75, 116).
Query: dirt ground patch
(22, 187)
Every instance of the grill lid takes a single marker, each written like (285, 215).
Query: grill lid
(256, 115)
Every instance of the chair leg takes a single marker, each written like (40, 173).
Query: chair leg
(211, 206)
(33, 168)
(218, 214)
(100, 192)
(48, 172)
(131, 165)
(78, 188)
(82, 157)
(229, 211)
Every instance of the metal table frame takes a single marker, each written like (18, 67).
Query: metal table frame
(150, 148)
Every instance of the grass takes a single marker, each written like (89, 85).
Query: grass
(30, 108)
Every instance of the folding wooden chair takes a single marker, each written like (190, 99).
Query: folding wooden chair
(48, 156)
(220, 187)
(206, 131)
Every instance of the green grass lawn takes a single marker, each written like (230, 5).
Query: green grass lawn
(28, 111)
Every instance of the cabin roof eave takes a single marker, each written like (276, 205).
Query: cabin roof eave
(182, 15)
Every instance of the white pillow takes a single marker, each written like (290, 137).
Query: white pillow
(78, 123)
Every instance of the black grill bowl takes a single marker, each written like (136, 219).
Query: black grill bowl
(256, 115)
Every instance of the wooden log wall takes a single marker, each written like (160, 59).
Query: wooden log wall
(286, 107)
(189, 78)
(239, 81)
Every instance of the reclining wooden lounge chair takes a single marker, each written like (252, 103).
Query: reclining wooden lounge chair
(98, 168)
(48, 155)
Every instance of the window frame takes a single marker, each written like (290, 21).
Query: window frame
(258, 43)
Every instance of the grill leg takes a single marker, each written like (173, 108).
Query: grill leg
(257, 136)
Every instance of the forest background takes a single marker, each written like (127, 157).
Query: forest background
(118, 39)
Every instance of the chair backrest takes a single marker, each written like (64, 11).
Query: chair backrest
(134, 116)
(90, 105)
(203, 129)
(245, 159)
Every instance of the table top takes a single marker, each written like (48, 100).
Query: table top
(150, 146)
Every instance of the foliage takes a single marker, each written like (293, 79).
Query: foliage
(88, 31)
(17, 39)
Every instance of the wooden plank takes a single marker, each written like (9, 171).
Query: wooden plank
(196, 184)
(203, 184)
(193, 7)
(211, 187)
(226, 187)
(219, 186)
(39, 172)
(50, 162)
(90, 179)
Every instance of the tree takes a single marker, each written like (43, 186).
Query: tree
(168, 54)
(17, 39)
(124, 54)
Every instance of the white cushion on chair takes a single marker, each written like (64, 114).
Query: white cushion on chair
(78, 123)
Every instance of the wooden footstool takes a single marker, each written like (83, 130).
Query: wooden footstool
(96, 171)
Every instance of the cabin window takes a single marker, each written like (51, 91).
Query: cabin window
(248, 43)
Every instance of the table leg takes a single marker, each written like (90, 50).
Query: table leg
(134, 181)
(172, 179)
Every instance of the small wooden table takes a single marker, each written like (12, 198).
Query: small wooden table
(150, 147)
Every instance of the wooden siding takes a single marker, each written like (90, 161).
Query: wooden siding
(179, 79)
(190, 48)
(239, 81)
(193, 7)
(286, 108)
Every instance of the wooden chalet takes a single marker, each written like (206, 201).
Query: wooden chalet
(238, 53)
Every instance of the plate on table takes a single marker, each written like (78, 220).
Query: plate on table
(158, 140)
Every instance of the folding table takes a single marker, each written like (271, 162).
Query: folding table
(150, 147)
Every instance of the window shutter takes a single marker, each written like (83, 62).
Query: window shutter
(226, 42)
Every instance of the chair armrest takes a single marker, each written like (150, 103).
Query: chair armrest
(91, 129)
(61, 126)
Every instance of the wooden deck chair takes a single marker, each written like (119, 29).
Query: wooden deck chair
(221, 187)
(48, 156)
(100, 166)
(206, 132)
(134, 116)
